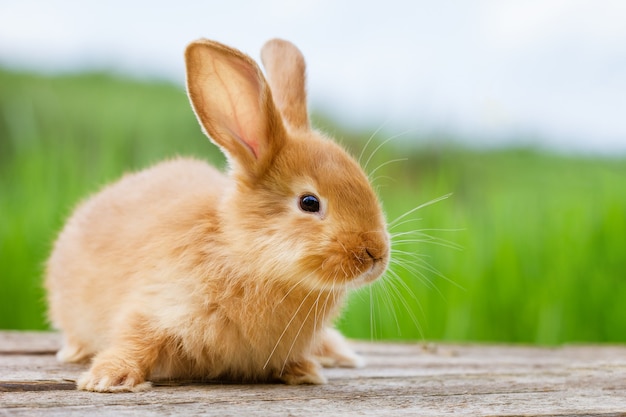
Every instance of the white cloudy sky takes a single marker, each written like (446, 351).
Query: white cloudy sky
(550, 70)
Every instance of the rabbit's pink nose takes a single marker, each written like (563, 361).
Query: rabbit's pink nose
(375, 245)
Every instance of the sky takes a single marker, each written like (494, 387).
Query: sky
(546, 72)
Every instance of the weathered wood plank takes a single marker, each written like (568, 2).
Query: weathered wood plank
(400, 379)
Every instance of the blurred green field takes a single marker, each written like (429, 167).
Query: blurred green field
(529, 247)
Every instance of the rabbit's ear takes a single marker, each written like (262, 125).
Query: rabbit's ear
(286, 72)
(234, 104)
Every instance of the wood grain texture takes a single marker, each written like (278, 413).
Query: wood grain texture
(400, 379)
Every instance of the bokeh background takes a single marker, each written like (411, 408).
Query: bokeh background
(514, 111)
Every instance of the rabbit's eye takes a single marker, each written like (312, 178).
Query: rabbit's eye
(309, 203)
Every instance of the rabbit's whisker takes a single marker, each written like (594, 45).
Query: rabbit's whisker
(383, 143)
(396, 284)
(425, 237)
(304, 322)
(387, 298)
(394, 223)
(413, 269)
(370, 139)
(293, 317)
(294, 286)
(439, 242)
(421, 263)
(372, 313)
(370, 175)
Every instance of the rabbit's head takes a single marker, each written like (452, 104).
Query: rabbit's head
(299, 209)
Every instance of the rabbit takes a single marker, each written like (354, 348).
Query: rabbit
(181, 271)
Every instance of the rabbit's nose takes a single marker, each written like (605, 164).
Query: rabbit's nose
(375, 245)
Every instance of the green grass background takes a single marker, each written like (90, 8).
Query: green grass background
(541, 237)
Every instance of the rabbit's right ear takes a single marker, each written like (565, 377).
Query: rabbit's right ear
(234, 105)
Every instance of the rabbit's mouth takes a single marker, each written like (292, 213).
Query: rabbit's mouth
(377, 267)
(363, 267)
(371, 259)
(352, 260)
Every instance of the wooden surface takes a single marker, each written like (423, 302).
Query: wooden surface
(409, 379)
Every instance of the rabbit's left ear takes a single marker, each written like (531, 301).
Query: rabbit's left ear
(286, 72)
(234, 105)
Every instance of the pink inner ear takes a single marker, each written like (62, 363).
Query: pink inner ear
(245, 120)
(247, 125)
(254, 147)
(251, 144)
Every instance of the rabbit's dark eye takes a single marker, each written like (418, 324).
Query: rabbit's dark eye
(309, 203)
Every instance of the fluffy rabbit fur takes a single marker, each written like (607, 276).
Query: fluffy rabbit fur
(181, 271)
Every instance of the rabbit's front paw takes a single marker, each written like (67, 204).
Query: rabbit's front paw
(110, 377)
(303, 372)
(334, 351)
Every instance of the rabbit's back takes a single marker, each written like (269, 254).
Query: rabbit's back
(100, 258)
